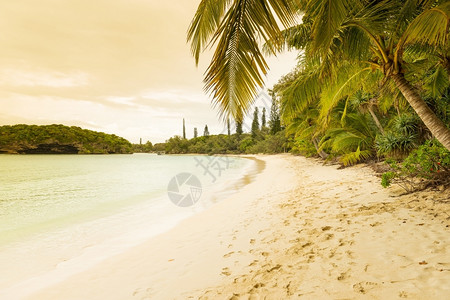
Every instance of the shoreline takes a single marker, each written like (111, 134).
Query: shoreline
(299, 229)
(50, 265)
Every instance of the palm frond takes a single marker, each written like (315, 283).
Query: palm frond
(206, 20)
(298, 96)
(237, 69)
(295, 37)
(430, 27)
(348, 81)
(437, 83)
(328, 16)
(352, 158)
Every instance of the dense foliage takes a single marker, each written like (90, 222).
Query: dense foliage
(143, 148)
(59, 139)
(372, 79)
(393, 53)
(427, 165)
(227, 144)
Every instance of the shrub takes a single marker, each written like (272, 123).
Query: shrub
(405, 134)
(427, 165)
(395, 145)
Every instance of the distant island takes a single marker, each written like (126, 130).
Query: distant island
(59, 139)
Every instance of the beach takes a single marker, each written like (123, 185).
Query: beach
(300, 229)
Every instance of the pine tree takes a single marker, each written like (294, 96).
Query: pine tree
(255, 123)
(206, 131)
(184, 130)
(275, 123)
(239, 128)
(195, 132)
(263, 118)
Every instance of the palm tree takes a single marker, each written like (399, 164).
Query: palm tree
(238, 66)
(370, 38)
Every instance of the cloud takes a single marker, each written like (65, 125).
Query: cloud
(42, 78)
(114, 65)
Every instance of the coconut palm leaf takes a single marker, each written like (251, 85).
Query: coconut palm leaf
(298, 96)
(295, 37)
(352, 158)
(437, 83)
(204, 24)
(237, 69)
(348, 82)
(328, 17)
(430, 27)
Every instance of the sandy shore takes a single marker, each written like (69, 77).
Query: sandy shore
(300, 230)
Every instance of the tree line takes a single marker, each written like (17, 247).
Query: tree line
(264, 137)
(59, 139)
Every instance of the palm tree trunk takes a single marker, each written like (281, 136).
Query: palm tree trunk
(321, 153)
(375, 118)
(433, 123)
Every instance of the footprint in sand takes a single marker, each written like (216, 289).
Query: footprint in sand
(402, 294)
(253, 263)
(343, 276)
(228, 254)
(364, 286)
(329, 236)
(226, 272)
(143, 294)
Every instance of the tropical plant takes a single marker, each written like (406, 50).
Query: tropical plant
(353, 141)
(354, 42)
(425, 166)
(406, 132)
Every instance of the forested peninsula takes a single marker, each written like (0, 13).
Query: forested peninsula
(59, 139)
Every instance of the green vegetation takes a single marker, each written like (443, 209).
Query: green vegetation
(59, 139)
(143, 148)
(255, 123)
(372, 79)
(427, 165)
(260, 140)
(225, 144)
(206, 131)
(394, 52)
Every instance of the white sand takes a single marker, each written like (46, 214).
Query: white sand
(299, 230)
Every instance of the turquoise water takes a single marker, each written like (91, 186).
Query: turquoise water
(62, 214)
(41, 193)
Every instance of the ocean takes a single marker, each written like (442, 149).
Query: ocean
(56, 210)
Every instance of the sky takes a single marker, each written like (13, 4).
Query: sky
(117, 66)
